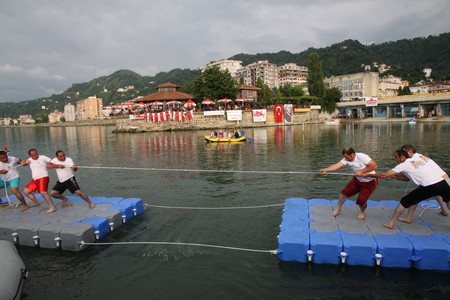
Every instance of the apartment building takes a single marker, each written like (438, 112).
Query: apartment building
(355, 86)
(90, 108)
(292, 74)
(69, 112)
(225, 64)
(389, 86)
(268, 72)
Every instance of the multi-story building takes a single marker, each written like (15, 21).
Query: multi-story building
(225, 64)
(90, 108)
(69, 112)
(292, 74)
(268, 72)
(389, 86)
(55, 117)
(355, 86)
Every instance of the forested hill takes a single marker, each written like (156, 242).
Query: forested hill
(407, 58)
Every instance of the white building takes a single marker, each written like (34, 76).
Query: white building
(389, 86)
(69, 112)
(355, 86)
(225, 64)
(268, 72)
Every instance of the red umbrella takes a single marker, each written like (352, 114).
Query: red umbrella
(174, 102)
(155, 103)
(242, 100)
(224, 100)
(208, 102)
(190, 103)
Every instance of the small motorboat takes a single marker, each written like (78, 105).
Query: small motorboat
(412, 120)
(12, 271)
(210, 139)
(332, 122)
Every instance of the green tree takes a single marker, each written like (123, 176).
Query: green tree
(316, 86)
(265, 94)
(41, 118)
(330, 98)
(214, 83)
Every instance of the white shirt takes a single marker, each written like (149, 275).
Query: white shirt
(67, 172)
(360, 162)
(421, 169)
(10, 165)
(39, 167)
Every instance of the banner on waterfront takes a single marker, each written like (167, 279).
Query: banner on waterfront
(371, 101)
(214, 113)
(234, 115)
(278, 113)
(288, 113)
(259, 115)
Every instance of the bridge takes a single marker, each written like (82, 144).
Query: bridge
(419, 106)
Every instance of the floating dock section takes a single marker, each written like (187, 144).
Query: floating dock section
(69, 227)
(309, 233)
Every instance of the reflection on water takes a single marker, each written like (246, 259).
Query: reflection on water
(180, 169)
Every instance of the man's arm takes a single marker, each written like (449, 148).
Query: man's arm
(371, 166)
(332, 168)
(388, 174)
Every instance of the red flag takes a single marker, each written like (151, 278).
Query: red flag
(278, 113)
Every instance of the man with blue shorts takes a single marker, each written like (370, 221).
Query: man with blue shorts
(10, 177)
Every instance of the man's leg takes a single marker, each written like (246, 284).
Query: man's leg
(341, 201)
(85, 198)
(49, 201)
(31, 196)
(19, 196)
(398, 211)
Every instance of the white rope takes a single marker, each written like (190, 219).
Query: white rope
(181, 244)
(426, 207)
(214, 208)
(6, 192)
(213, 171)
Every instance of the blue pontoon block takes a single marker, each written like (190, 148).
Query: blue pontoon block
(326, 247)
(292, 245)
(396, 250)
(100, 224)
(136, 203)
(430, 252)
(360, 248)
(125, 209)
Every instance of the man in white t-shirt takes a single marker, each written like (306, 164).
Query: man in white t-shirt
(10, 177)
(65, 169)
(425, 173)
(38, 165)
(361, 164)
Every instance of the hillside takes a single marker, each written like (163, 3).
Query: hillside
(407, 57)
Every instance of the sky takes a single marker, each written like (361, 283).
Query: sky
(48, 45)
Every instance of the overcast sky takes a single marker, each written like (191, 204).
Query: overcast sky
(46, 46)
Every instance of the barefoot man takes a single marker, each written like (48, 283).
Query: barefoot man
(65, 169)
(39, 173)
(10, 177)
(361, 164)
(425, 173)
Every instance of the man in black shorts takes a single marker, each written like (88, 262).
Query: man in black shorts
(65, 169)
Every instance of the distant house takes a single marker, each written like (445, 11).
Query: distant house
(167, 92)
(55, 117)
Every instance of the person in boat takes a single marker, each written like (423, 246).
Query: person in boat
(39, 173)
(231, 134)
(425, 173)
(220, 134)
(213, 133)
(363, 186)
(65, 169)
(236, 134)
(412, 153)
(10, 177)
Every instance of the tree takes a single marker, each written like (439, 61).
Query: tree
(215, 84)
(316, 86)
(41, 118)
(330, 98)
(265, 94)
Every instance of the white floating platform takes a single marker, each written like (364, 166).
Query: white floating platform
(68, 227)
(308, 232)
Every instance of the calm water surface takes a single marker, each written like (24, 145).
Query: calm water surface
(189, 272)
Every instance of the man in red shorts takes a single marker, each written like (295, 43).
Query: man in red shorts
(361, 164)
(39, 173)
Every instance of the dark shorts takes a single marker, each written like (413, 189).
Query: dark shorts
(365, 189)
(70, 184)
(440, 188)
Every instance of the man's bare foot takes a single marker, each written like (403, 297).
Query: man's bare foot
(51, 210)
(443, 213)
(91, 205)
(66, 204)
(388, 225)
(24, 208)
(34, 205)
(405, 220)
(361, 215)
(336, 212)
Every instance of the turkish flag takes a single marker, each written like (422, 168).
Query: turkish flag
(278, 113)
